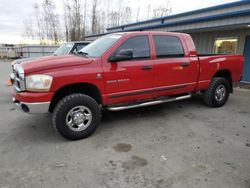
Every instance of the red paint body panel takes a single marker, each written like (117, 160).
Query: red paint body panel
(210, 65)
(139, 80)
(125, 81)
(54, 62)
(31, 97)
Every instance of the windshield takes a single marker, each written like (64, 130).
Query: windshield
(64, 49)
(99, 46)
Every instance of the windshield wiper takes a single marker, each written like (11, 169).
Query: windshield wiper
(82, 53)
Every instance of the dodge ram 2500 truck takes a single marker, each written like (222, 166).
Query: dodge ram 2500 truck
(121, 71)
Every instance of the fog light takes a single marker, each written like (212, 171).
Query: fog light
(25, 108)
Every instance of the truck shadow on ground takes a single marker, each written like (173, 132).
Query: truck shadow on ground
(39, 128)
(152, 111)
(111, 119)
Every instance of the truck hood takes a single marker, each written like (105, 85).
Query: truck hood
(23, 60)
(54, 62)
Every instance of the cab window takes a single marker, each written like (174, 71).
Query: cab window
(139, 45)
(168, 46)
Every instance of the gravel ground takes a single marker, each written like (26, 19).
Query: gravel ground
(180, 144)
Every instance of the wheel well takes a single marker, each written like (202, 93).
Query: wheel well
(84, 88)
(227, 75)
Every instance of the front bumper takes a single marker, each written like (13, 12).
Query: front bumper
(31, 102)
(32, 108)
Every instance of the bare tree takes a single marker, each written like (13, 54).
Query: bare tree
(138, 14)
(126, 15)
(67, 17)
(84, 19)
(76, 19)
(162, 10)
(114, 18)
(108, 13)
(73, 22)
(148, 11)
(38, 20)
(94, 17)
(51, 21)
(28, 29)
(81, 18)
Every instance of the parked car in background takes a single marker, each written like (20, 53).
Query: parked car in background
(70, 47)
(64, 49)
(122, 71)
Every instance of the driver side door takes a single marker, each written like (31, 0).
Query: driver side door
(130, 80)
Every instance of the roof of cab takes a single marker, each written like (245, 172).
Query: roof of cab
(149, 32)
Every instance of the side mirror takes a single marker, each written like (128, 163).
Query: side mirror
(122, 55)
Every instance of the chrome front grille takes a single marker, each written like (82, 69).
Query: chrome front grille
(19, 82)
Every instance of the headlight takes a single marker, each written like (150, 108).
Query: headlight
(38, 83)
(14, 62)
(14, 66)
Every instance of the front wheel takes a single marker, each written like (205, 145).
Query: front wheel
(76, 116)
(218, 92)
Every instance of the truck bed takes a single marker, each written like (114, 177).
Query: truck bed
(212, 63)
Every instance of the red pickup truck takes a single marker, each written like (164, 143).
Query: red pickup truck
(121, 71)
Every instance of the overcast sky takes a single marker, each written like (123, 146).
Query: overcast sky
(13, 12)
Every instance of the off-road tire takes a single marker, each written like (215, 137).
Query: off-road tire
(209, 96)
(65, 105)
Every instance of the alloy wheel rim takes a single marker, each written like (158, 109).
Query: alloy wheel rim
(220, 92)
(79, 118)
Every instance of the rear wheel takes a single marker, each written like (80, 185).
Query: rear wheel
(218, 92)
(76, 116)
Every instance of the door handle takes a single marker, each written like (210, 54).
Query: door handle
(186, 64)
(147, 67)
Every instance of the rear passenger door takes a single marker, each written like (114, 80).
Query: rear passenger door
(174, 71)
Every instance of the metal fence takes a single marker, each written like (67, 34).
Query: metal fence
(27, 51)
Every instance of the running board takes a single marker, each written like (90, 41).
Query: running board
(119, 108)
